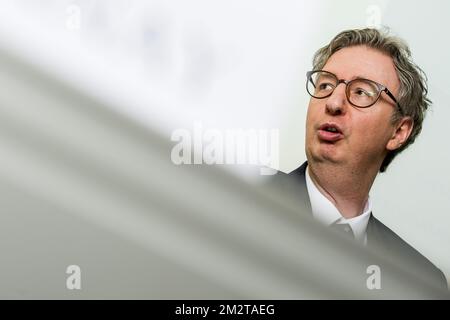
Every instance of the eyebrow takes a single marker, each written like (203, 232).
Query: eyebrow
(353, 78)
(361, 77)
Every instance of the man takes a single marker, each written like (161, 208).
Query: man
(368, 102)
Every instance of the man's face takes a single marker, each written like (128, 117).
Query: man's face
(365, 133)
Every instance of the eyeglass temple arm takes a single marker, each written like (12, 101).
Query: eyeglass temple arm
(308, 74)
(393, 99)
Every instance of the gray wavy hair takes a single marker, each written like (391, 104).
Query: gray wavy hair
(413, 81)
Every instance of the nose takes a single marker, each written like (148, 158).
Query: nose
(336, 104)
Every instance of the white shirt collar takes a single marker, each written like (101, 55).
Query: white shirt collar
(325, 212)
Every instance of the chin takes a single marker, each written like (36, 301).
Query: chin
(323, 154)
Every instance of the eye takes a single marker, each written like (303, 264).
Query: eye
(325, 86)
(363, 93)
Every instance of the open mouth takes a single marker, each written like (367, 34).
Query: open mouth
(331, 129)
(330, 132)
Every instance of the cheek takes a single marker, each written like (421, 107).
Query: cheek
(312, 114)
(371, 134)
(311, 120)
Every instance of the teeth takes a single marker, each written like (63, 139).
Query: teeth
(332, 129)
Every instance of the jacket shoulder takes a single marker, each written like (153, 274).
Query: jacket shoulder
(393, 247)
(292, 186)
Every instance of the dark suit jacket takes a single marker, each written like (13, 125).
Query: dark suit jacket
(379, 237)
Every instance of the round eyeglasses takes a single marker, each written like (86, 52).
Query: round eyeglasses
(361, 93)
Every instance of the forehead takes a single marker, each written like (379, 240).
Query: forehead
(361, 61)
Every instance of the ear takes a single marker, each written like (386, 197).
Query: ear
(401, 133)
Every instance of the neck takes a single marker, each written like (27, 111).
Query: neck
(347, 188)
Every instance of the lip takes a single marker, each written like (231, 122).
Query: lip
(327, 135)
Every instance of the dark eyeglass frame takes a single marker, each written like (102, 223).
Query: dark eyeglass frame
(381, 88)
